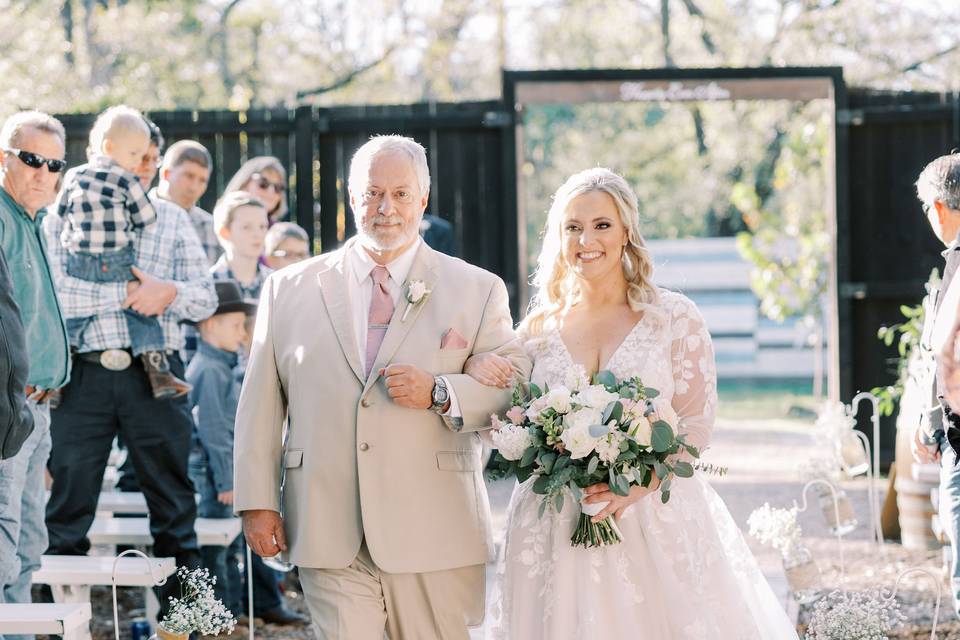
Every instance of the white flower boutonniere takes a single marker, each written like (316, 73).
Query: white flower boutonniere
(416, 293)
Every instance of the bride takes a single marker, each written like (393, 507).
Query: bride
(683, 569)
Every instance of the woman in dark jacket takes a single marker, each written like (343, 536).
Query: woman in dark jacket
(16, 421)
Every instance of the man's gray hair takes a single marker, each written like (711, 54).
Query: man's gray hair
(378, 145)
(14, 126)
(940, 180)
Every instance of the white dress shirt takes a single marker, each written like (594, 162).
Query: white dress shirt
(360, 291)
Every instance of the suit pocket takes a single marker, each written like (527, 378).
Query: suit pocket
(457, 461)
(292, 458)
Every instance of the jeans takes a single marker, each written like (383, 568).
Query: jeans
(23, 535)
(222, 562)
(949, 509)
(146, 334)
(97, 406)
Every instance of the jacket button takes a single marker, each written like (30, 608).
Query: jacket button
(365, 403)
(364, 446)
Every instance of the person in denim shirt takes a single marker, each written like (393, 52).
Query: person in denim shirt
(214, 401)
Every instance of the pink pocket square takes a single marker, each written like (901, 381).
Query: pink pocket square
(453, 340)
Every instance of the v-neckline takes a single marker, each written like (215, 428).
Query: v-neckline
(606, 366)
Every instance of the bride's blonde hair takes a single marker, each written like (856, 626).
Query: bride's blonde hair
(557, 284)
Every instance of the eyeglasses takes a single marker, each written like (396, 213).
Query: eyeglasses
(294, 255)
(375, 196)
(263, 183)
(35, 161)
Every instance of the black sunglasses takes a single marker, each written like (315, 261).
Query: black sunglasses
(263, 183)
(35, 161)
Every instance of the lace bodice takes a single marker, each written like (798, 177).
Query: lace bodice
(673, 354)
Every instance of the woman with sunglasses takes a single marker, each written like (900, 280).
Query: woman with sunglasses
(264, 178)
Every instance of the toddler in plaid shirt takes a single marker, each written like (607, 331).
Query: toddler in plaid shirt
(104, 208)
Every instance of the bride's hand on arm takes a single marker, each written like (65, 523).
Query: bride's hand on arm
(618, 505)
(489, 369)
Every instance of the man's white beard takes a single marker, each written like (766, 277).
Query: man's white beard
(396, 238)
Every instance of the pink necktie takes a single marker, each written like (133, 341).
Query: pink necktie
(381, 310)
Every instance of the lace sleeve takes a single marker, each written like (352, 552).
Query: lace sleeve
(694, 374)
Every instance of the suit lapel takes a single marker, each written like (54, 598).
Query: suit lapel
(423, 268)
(333, 289)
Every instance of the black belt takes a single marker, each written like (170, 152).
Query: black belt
(112, 359)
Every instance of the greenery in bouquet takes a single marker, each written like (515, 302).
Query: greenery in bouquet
(197, 608)
(606, 431)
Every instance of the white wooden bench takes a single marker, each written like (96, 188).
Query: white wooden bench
(70, 621)
(125, 502)
(70, 577)
(136, 531)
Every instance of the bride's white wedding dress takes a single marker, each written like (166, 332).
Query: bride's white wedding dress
(683, 570)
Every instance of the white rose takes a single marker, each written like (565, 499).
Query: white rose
(582, 418)
(511, 441)
(578, 441)
(558, 399)
(596, 396)
(641, 430)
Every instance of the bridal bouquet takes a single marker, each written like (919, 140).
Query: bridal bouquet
(608, 431)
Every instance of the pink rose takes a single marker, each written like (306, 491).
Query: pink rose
(515, 415)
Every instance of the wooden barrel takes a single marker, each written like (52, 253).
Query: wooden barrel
(916, 513)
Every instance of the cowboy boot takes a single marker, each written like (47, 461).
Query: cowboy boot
(164, 384)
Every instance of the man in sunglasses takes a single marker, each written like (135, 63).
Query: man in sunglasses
(32, 145)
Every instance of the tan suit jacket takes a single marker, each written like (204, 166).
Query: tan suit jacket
(357, 465)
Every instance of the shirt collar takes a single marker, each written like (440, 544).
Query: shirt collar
(953, 246)
(362, 264)
(227, 357)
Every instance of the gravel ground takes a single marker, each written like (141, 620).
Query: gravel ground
(762, 458)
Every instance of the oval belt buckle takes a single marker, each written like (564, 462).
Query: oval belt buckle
(115, 359)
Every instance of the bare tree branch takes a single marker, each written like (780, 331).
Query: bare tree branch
(665, 31)
(695, 12)
(224, 63)
(345, 79)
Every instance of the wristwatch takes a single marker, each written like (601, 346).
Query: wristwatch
(440, 395)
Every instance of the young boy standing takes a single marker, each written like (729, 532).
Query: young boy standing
(214, 401)
(103, 207)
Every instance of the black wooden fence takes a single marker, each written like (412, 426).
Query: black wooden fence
(886, 254)
(891, 137)
(463, 142)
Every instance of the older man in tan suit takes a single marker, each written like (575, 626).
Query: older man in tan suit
(361, 352)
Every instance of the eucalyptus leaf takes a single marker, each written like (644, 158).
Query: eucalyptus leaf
(683, 469)
(547, 460)
(606, 378)
(599, 430)
(665, 497)
(528, 456)
(660, 469)
(558, 502)
(613, 411)
(592, 465)
(576, 491)
(650, 393)
(661, 436)
(623, 483)
(541, 485)
(561, 464)
(535, 391)
(542, 509)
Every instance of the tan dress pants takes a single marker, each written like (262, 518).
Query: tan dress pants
(361, 602)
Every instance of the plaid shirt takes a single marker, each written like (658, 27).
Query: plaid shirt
(203, 224)
(102, 205)
(168, 250)
(221, 271)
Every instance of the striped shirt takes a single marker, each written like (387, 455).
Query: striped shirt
(168, 250)
(103, 207)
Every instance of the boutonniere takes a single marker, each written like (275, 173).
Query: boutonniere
(416, 293)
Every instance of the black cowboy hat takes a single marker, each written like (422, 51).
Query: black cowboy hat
(230, 298)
